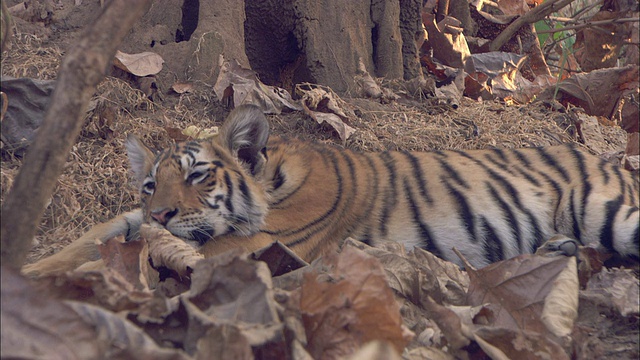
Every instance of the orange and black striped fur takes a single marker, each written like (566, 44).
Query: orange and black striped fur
(242, 189)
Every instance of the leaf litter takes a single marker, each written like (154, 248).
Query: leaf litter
(343, 305)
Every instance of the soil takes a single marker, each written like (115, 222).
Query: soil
(92, 188)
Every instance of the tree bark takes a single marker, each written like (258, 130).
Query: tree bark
(81, 71)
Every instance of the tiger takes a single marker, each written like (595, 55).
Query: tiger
(246, 189)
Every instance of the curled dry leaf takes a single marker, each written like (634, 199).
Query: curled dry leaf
(195, 132)
(337, 307)
(321, 104)
(105, 288)
(419, 273)
(129, 259)
(618, 288)
(231, 287)
(142, 64)
(182, 88)
(34, 325)
(519, 287)
(448, 322)
(239, 86)
(560, 308)
(170, 251)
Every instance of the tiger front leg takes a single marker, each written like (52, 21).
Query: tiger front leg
(84, 249)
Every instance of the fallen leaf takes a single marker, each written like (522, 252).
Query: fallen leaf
(34, 325)
(336, 307)
(129, 259)
(195, 132)
(233, 288)
(519, 287)
(238, 86)
(321, 104)
(279, 258)
(182, 88)
(619, 287)
(141, 64)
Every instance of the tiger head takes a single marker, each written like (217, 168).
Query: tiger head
(205, 188)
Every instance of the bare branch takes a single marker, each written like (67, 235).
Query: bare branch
(81, 71)
(589, 24)
(530, 17)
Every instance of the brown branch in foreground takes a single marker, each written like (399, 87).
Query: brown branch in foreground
(81, 71)
(530, 17)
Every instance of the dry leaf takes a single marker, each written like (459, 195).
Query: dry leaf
(376, 350)
(321, 104)
(561, 304)
(142, 64)
(336, 307)
(182, 88)
(518, 286)
(448, 322)
(231, 287)
(195, 132)
(619, 288)
(279, 258)
(129, 259)
(239, 86)
(34, 325)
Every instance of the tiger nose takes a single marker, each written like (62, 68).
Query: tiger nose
(164, 215)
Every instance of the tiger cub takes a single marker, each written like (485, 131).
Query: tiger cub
(244, 189)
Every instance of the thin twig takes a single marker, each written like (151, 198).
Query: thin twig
(589, 24)
(530, 17)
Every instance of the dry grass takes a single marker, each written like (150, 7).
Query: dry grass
(93, 186)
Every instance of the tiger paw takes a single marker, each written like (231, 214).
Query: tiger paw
(559, 245)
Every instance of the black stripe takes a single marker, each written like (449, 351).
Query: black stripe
(559, 194)
(524, 159)
(631, 211)
(190, 155)
(218, 163)
(292, 192)
(391, 196)
(606, 233)
(449, 170)
(621, 182)
(501, 155)
(502, 166)
(425, 232)
(375, 184)
(199, 163)
(602, 165)
(278, 178)
(228, 201)
(492, 246)
(528, 176)
(244, 189)
(551, 161)
(466, 214)
(328, 154)
(577, 233)
(511, 219)
(419, 176)
(513, 194)
(585, 180)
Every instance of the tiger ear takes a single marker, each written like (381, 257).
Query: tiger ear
(245, 134)
(140, 157)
